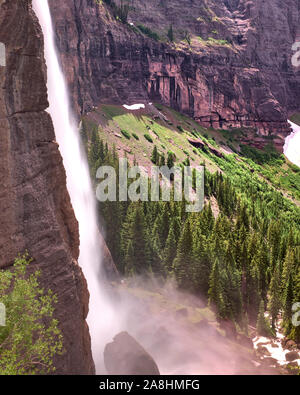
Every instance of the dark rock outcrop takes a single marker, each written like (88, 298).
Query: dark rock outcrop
(292, 356)
(289, 344)
(238, 74)
(36, 213)
(125, 356)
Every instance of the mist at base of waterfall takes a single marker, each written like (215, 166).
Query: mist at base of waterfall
(179, 331)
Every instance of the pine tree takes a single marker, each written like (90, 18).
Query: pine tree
(129, 261)
(202, 263)
(139, 242)
(273, 236)
(162, 160)
(170, 160)
(262, 260)
(295, 331)
(83, 134)
(155, 156)
(215, 289)
(262, 326)
(275, 299)
(183, 263)
(171, 33)
(169, 252)
(94, 152)
(161, 228)
(288, 298)
(287, 267)
(231, 294)
(251, 292)
(134, 230)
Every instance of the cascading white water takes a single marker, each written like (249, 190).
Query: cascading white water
(101, 318)
(292, 145)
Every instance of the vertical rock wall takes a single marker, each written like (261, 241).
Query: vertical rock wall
(36, 213)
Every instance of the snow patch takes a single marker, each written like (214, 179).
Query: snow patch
(134, 106)
(292, 145)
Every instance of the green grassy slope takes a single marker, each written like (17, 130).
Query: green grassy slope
(295, 118)
(171, 131)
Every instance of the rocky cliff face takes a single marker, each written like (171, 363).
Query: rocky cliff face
(36, 213)
(235, 72)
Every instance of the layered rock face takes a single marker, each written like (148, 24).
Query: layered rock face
(235, 72)
(36, 213)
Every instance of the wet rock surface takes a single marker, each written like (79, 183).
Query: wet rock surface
(125, 356)
(292, 356)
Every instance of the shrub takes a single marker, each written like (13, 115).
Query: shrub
(214, 41)
(31, 338)
(148, 32)
(125, 134)
(135, 136)
(148, 138)
(120, 12)
(268, 155)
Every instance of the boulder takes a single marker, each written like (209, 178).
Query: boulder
(269, 361)
(180, 313)
(292, 356)
(229, 328)
(274, 345)
(245, 341)
(125, 356)
(290, 345)
(262, 350)
(202, 325)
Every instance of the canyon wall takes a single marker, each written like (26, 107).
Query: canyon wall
(36, 213)
(236, 72)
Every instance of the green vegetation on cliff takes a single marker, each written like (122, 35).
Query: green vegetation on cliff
(30, 338)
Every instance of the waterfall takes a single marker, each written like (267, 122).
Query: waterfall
(101, 319)
(292, 145)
